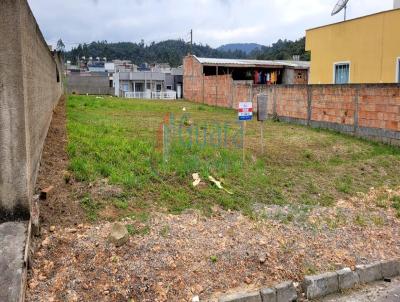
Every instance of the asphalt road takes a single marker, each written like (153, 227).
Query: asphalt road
(376, 292)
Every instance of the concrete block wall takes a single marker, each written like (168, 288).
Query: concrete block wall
(30, 87)
(94, 84)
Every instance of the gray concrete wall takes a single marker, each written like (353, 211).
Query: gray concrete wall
(93, 84)
(29, 92)
(288, 76)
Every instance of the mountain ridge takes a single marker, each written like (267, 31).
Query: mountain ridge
(245, 47)
(173, 51)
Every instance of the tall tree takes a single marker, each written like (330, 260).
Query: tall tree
(60, 45)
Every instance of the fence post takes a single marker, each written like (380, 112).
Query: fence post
(216, 88)
(275, 113)
(251, 93)
(356, 109)
(232, 92)
(309, 104)
(203, 86)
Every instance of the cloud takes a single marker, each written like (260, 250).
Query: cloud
(214, 22)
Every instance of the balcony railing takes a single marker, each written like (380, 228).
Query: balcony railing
(138, 95)
(164, 95)
(161, 95)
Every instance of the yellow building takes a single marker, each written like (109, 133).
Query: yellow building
(362, 50)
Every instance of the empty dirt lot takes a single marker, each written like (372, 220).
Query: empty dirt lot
(314, 201)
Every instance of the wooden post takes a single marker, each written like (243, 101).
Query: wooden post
(262, 136)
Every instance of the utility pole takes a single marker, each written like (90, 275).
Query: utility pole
(191, 41)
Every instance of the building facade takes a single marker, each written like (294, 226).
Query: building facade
(149, 84)
(362, 50)
(226, 82)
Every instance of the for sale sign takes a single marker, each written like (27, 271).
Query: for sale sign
(245, 111)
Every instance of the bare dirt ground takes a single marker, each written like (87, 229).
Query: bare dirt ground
(176, 257)
(60, 208)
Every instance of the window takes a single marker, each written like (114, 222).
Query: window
(139, 87)
(342, 73)
(169, 87)
(158, 87)
(398, 70)
(125, 87)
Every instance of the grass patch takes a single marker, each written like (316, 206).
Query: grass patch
(164, 232)
(140, 231)
(117, 139)
(396, 204)
(360, 220)
(213, 259)
(383, 201)
(91, 207)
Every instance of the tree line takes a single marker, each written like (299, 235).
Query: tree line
(173, 51)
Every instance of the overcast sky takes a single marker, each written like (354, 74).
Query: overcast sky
(214, 22)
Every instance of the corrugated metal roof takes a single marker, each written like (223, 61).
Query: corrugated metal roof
(253, 63)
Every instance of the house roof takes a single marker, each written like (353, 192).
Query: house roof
(253, 63)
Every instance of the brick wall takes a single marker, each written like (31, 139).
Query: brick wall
(30, 87)
(367, 110)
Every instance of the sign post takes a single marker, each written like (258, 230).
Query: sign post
(262, 115)
(245, 113)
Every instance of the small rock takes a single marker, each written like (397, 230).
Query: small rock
(52, 228)
(106, 292)
(67, 177)
(72, 296)
(33, 284)
(42, 277)
(247, 280)
(196, 299)
(119, 234)
(46, 242)
(72, 231)
(262, 259)
(45, 193)
(80, 226)
(197, 289)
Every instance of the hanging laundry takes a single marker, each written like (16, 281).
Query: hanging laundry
(273, 77)
(256, 76)
(263, 78)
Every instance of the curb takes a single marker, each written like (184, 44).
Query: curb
(318, 286)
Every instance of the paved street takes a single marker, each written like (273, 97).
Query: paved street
(377, 292)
